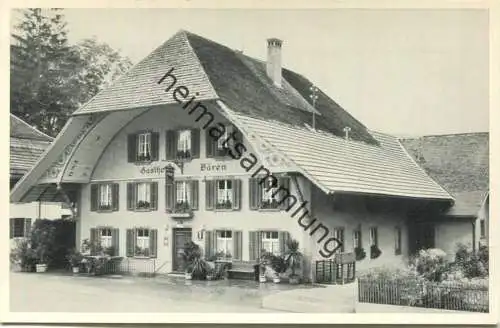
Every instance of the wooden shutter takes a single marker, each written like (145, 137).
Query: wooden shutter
(194, 194)
(115, 196)
(284, 183)
(115, 238)
(195, 143)
(132, 148)
(153, 245)
(210, 144)
(94, 192)
(155, 145)
(238, 245)
(210, 195)
(236, 194)
(171, 144)
(154, 195)
(131, 196)
(94, 238)
(283, 237)
(255, 191)
(209, 237)
(130, 242)
(255, 244)
(27, 227)
(170, 194)
(12, 228)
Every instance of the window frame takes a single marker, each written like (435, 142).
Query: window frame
(374, 236)
(142, 158)
(271, 239)
(398, 240)
(144, 239)
(12, 230)
(357, 241)
(482, 229)
(109, 188)
(228, 241)
(188, 150)
(229, 195)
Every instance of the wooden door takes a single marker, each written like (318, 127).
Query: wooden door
(181, 237)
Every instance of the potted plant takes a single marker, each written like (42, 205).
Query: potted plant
(196, 267)
(359, 253)
(188, 274)
(41, 252)
(24, 256)
(293, 259)
(75, 259)
(86, 247)
(263, 262)
(279, 266)
(375, 252)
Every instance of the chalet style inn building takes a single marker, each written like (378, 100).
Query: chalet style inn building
(201, 142)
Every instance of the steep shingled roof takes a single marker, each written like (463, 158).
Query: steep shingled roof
(215, 71)
(459, 162)
(27, 144)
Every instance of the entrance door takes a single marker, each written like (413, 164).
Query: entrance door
(181, 237)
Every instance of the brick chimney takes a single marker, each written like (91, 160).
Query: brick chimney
(273, 65)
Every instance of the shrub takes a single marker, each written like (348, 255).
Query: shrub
(24, 256)
(430, 264)
(375, 252)
(472, 264)
(360, 253)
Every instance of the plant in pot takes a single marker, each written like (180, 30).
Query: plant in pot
(263, 262)
(360, 253)
(24, 256)
(375, 252)
(293, 259)
(196, 267)
(279, 266)
(75, 259)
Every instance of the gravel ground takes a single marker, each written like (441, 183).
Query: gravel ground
(52, 292)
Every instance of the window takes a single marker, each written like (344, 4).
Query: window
(19, 227)
(269, 193)
(397, 241)
(143, 147)
(224, 194)
(141, 242)
(373, 236)
(104, 197)
(184, 144)
(183, 189)
(225, 243)
(181, 196)
(338, 233)
(270, 241)
(356, 238)
(220, 147)
(482, 228)
(106, 238)
(142, 196)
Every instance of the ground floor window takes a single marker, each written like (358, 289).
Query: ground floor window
(224, 243)
(141, 242)
(104, 239)
(20, 227)
(356, 239)
(338, 233)
(397, 240)
(482, 228)
(270, 242)
(374, 249)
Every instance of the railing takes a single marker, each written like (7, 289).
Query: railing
(424, 294)
(333, 272)
(118, 265)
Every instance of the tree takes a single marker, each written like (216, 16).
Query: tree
(51, 78)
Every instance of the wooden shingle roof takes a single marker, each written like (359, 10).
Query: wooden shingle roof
(460, 163)
(27, 144)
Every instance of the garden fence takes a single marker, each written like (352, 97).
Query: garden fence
(449, 296)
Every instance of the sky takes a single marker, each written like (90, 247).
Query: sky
(399, 71)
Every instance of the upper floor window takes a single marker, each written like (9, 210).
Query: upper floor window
(269, 193)
(222, 146)
(143, 146)
(104, 197)
(223, 194)
(181, 196)
(183, 144)
(142, 196)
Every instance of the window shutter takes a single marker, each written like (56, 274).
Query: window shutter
(130, 196)
(130, 242)
(376, 236)
(209, 236)
(255, 243)
(154, 195)
(94, 238)
(153, 247)
(155, 145)
(27, 227)
(283, 237)
(236, 194)
(284, 183)
(238, 245)
(170, 194)
(11, 228)
(132, 148)
(254, 193)
(116, 196)
(171, 144)
(210, 195)
(195, 143)
(194, 194)
(94, 191)
(115, 235)
(210, 144)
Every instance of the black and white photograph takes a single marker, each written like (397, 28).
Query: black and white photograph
(255, 161)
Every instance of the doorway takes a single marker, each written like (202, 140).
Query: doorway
(181, 237)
